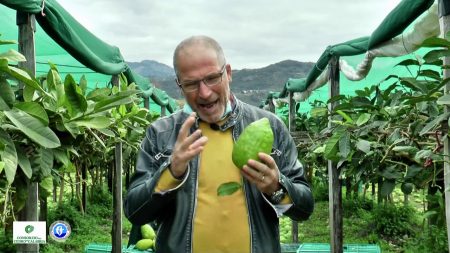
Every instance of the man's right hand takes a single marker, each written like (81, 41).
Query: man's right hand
(186, 147)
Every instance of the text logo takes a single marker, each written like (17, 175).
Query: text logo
(29, 232)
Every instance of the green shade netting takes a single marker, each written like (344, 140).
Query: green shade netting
(72, 36)
(394, 24)
(69, 46)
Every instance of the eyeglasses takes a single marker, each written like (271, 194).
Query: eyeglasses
(211, 80)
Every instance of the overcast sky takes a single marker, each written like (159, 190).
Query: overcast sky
(253, 33)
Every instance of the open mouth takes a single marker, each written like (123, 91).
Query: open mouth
(208, 106)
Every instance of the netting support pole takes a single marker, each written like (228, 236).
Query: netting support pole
(117, 191)
(444, 22)
(163, 110)
(291, 126)
(334, 185)
(147, 103)
(27, 26)
(271, 106)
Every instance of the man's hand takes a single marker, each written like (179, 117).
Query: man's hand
(186, 147)
(263, 174)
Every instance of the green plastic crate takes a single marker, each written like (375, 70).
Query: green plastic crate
(348, 248)
(107, 248)
(289, 247)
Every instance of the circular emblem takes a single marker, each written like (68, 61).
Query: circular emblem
(59, 230)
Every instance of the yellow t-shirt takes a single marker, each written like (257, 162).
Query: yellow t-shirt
(221, 224)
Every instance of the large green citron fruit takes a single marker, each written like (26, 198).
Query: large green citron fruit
(144, 244)
(147, 232)
(256, 137)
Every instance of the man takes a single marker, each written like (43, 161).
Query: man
(186, 156)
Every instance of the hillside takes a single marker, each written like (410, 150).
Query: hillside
(249, 85)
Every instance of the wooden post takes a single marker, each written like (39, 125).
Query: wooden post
(271, 106)
(334, 184)
(292, 112)
(444, 22)
(163, 111)
(147, 103)
(117, 193)
(291, 127)
(27, 27)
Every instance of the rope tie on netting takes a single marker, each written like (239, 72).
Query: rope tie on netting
(317, 67)
(42, 8)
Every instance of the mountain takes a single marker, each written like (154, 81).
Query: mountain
(249, 85)
(153, 69)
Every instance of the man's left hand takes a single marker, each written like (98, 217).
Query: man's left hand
(263, 174)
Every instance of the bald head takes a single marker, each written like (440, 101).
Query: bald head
(197, 41)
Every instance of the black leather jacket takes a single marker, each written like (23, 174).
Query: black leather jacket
(172, 213)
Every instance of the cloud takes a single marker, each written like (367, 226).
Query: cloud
(253, 33)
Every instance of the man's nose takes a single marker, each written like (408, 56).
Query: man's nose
(204, 91)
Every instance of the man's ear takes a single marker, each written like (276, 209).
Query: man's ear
(229, 72)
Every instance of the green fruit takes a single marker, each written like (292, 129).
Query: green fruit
(147, 232)
(256, 137)
(407, 188)
(144, 244)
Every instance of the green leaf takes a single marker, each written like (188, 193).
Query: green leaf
(435, 55)
(99, 94)
(95, 122)
(35, 110)
(113, 101)
(430, 74)
(319, 112)
(391, 173)
(12, 55)
(344, 145)
(412, 171)
(45, 161)
(362, 119)
(414, 84)
(435, 42)
(345, 116)
(434, 123)
(6, 42)
(409, 149)
(24, 77)
(46, 186)
(61, 155)
(363, 145)
(8, 156)
(7, 95)
(444, 100)
(24, 163)
(83, 85)
(407, 62)
(106, 132)
(332, 145)
(228, 188)
(387, 187)
(2, 165)
(76, 101)
(33, 128)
